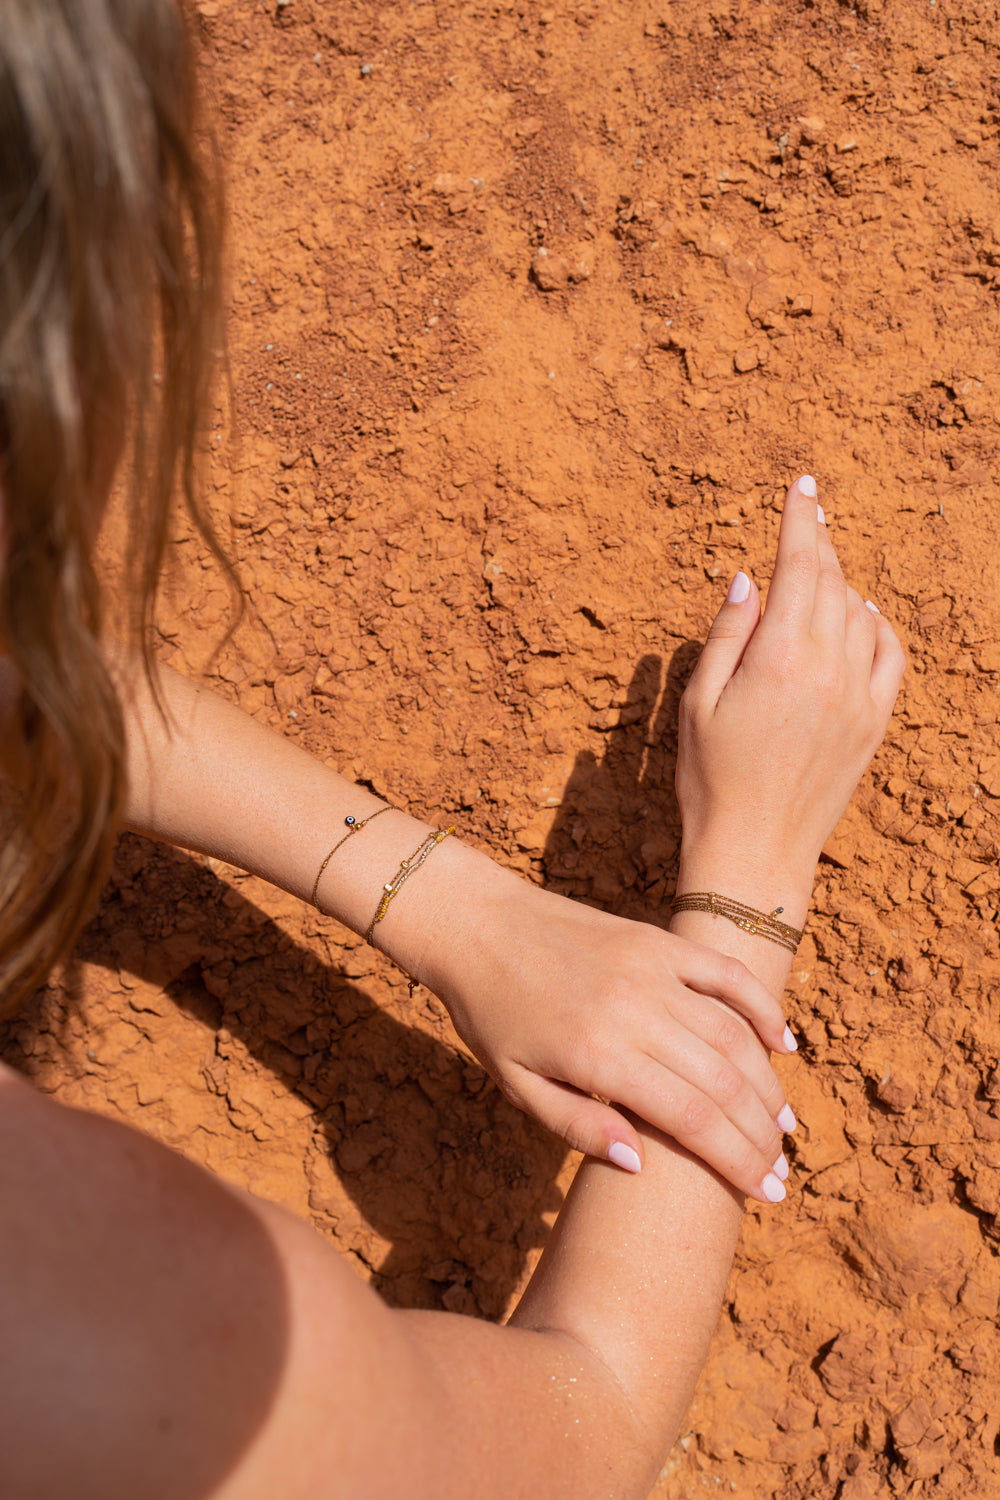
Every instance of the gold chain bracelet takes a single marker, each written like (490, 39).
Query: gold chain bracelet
(758, 923)
(406, 869)
(353, 826)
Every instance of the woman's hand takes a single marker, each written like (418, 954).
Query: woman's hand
(561, 1002)
(780, 719)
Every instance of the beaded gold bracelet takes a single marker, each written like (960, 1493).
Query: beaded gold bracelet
(353, 826)
(758, 923)
(406, 869)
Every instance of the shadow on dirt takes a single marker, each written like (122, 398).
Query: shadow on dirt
(433, 1158)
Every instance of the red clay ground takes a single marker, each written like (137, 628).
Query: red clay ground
(536, 309)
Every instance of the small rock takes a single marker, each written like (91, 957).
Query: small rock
(553, 273)
(812, 129)
(746, 360)
(896, 1093)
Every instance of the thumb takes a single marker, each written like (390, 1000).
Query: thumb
(728, 638)
(583, 1122)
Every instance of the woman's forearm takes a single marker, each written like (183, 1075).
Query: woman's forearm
(208, 777)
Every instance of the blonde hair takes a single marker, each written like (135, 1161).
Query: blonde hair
(109, 315)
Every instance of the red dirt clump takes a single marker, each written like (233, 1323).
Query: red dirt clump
(486, 502)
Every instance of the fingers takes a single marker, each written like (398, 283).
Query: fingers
(712, 1111)
(712, 973)
(888, 667)
(584, 1123)
(809, 590)
(761, 1110)
(745, 1150)
(792, 593)
(727, 640)
(715, 1052)
(831, 599)
(871, 641)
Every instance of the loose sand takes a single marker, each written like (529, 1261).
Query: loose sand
(535, 312)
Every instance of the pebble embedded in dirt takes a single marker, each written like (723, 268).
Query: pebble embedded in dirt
(553, 273)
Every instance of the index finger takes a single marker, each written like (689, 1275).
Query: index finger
(723, 978)
(792, 595)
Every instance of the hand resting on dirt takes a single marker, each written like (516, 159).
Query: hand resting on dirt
(779, 721)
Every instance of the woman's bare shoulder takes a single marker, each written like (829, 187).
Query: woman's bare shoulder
(143, 1307)
(152, 1315)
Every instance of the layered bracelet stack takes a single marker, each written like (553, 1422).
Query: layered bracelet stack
(407, 868)
(758, 923)
(391, 887)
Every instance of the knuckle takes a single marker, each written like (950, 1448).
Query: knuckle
(803, 563)
(577, 1133)
(729, 1035)
(729, 1086)
(696, 1115)
(751, 1165)
(618, 996)
(733, 975)
(691, 712)
(774, 1097)
(833, 677)
(588, 1051)
(832, 579)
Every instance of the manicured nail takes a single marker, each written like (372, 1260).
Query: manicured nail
(821, 515)
(781, 1167)
(789, 1040)
(624, 1156)
(873, 607)
(773, 1188)
(784, 1119)
(807, 486)
(739, 590)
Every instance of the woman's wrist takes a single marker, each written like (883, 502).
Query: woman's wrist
(439, 927)
(762, 880)
(766, 884)
(434, 923)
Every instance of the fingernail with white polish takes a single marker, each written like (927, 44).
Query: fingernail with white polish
(784, 1119)
(789, 1040)
(821, 515)
(624, 1156)
(873, 607)
(807, 486)
(739, 590)
(773, 1188)
(781, 1167)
